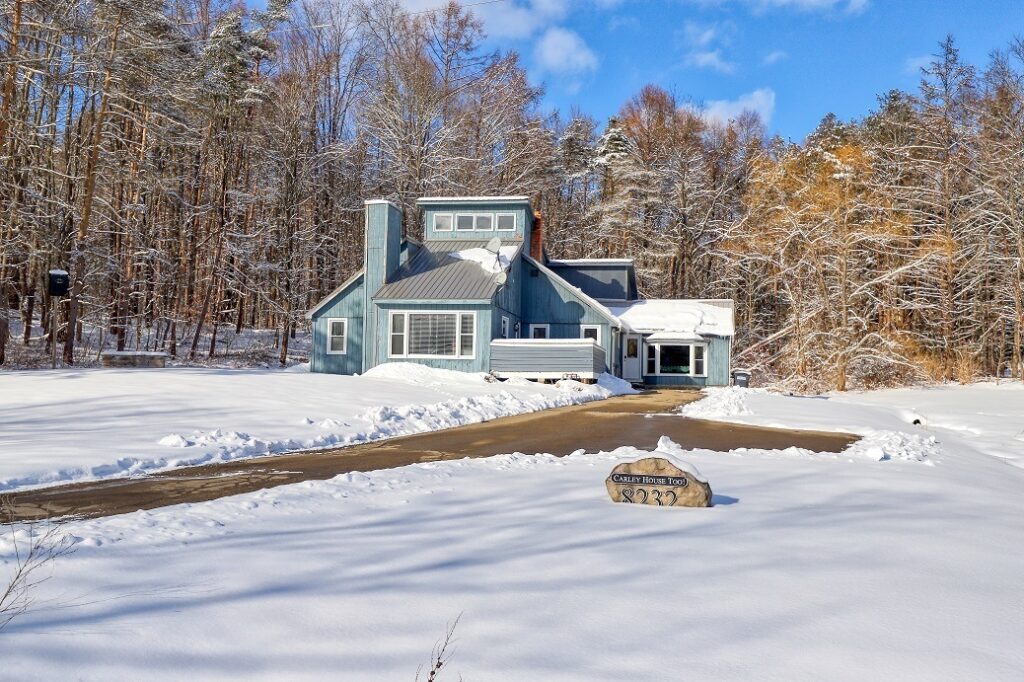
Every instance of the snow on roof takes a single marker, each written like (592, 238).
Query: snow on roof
(590, 261)
(675, 315)
(59, 272)
(467, 200)
(488, 260)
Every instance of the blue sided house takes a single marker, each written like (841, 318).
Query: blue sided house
(479, 294)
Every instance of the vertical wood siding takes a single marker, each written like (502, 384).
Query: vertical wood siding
(545, 302)
(348, 304)
(524, 221)
(383, 245)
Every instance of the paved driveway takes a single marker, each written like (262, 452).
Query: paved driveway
(638, 420)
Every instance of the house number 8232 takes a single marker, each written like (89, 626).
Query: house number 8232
(641, 496)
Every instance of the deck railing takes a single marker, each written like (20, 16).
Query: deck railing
(547, 358)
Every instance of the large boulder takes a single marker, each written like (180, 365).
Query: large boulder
(657, 481)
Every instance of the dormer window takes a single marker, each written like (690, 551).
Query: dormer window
(472, 221)
(476, 222)
(442, 222)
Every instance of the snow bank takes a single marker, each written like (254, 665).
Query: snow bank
(721, 404)
(914, 424)
(732, 403)
(807, 567)
(121, 423)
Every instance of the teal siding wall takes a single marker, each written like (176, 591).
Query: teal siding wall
(383, 245)
(349, 305)
(718, 367)
(524, 220)
(548, 302)
(484, 326)
(508, 302)
(719, 360)
(603, 282)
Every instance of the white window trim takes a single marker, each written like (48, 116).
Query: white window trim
(546, 327)
(585, 327)
(458, 334)
(657, 360)
(505, 213)
(438, 229)
(344, 345)
(506, 326)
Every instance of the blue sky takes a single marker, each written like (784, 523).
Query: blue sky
(792, 60)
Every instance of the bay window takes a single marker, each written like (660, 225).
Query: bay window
(676, 359)
(432, 335)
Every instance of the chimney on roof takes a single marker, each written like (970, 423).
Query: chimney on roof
(537, 238)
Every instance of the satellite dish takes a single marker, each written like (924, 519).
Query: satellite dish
(494, 245)
(501, 278)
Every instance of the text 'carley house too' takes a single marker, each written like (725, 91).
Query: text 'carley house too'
(479, 294)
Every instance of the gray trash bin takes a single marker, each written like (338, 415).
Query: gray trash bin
(741, 378)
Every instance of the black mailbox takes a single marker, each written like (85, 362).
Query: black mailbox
(741, 378)
(59, 283)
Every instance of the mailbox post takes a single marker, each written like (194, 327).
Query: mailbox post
(57, 286)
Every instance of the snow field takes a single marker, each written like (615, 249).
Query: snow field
(807, 568)
(71, 425)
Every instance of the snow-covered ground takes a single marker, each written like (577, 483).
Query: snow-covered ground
(810, 566)
(248, 348)
(985, 417)
(81, 424)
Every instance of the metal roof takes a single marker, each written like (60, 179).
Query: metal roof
(432, 274)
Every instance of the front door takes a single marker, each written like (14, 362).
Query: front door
(631, 358)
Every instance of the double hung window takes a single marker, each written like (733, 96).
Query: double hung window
(432, 335)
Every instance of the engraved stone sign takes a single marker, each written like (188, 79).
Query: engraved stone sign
(657, 481)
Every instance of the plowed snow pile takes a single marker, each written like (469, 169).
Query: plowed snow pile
(67, 425)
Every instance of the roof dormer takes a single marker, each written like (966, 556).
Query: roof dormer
(476, 218)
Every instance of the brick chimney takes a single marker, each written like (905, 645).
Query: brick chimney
(537, 238)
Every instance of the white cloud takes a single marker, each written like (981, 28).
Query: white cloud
(848, 6)
(512, 19)
(710, 59)
(761, 100)
(698, 35)
(519, 21)
(562, 51)
(774, 57)
(705, 43)
(912, 65)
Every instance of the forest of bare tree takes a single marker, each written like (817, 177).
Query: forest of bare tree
(198, 167)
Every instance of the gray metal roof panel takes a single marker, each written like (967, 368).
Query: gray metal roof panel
(433, 275)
